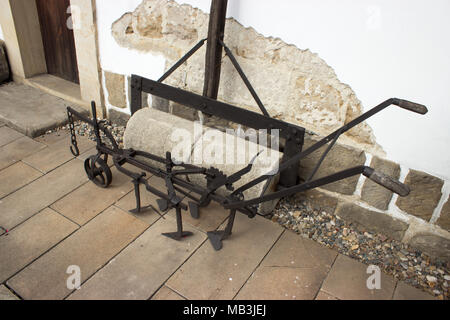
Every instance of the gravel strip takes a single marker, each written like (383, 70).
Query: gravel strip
(393, 257)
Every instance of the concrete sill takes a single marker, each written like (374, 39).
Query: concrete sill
(58, 87)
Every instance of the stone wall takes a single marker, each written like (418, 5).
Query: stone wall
(296, 86)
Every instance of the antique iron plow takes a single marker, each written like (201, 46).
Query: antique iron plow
(173, 173)
(178, 187)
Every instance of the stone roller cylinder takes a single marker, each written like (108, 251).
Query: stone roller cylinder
(158, 132)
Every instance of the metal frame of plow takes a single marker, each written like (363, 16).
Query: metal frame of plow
(176, 176)
(179, 188)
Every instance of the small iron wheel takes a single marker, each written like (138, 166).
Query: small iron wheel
(98, 171)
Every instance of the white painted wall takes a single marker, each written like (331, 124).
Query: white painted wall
(120, 60)
(1, 33)
(381, 48)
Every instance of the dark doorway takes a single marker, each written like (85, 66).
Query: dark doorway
(59, 43)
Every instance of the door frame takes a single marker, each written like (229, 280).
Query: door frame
(22, 34)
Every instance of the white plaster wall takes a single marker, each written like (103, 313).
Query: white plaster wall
(120, 60)
(381, 48)
(1, 33)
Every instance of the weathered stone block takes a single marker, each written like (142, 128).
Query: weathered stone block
(160, 104)
(373, 221)
(115, 85)
(118, 118)
(183, 112)
(4, 67)
(444, 219)
(340, 158)
(319, 200)
(375, 194)
(426, 191)
(434, 245)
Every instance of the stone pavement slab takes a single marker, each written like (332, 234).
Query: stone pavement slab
(90, 248)
(325, 296)
(167, 294)
(31, 111)
(54, 137)
(56, 155)
(211, 217)
(128, 202)
(404, 291)
(8, 135)
(282, 283)
(18, 150)
(294, 269)
(209, 274)
(89, 200)
(294, 251)
(24, 203)
(5, 294)
(347, 280)
(143, 267)
(15, 177)
(31, 239)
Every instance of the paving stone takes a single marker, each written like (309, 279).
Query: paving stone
(89, 200)
(24, 203)
(325, 296)
(221, 274)
(8, 135)
(373, 221)
(434, 245)
(56, 155)
(15, 177)
(426, 192)
(282, 283)
(141, 269)
(31, 239)
(295, 251)
(90, 248)
(18, 150)
(90, 152)
(375, 194)
(406, 292)
(128, 202)
(347, 280)
(211, 217)
(293, 270)
(54, 137)
(167, 294)
(340, 158)
(444, 219)
(6, 295)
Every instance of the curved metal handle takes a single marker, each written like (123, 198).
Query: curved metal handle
(411, 106)
(387, 182)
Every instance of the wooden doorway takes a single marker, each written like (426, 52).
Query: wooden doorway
(58, 39)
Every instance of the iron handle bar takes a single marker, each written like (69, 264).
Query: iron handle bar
(370, 173)
(182, 60)
(414, 107)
